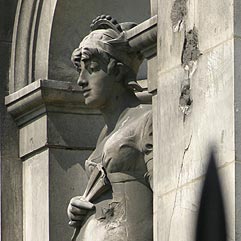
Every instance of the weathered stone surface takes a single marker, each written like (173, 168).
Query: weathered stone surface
(184, 140)
(184, 202)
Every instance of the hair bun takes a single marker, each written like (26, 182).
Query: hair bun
(105, 22)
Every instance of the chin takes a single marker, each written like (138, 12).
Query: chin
(93, 103)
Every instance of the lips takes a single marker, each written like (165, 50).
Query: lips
(85, 92)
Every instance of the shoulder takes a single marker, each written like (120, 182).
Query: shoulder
(141, 112)
(142, 121)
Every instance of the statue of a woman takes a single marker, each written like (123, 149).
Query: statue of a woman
(117, 203)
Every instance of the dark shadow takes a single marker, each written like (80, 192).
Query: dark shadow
(211, 225)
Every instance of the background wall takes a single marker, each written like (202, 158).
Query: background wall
(72, 22)
(11, 192)
(40, 45)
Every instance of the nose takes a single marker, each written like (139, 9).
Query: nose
(82, 81)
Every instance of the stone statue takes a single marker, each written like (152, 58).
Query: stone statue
(117, 203)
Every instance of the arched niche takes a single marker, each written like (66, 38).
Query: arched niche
(71, 23)
(31, 38)
(47, 31)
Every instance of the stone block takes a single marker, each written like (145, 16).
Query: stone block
(177, 213)
(33, 136)
(187, 139)
(36, 198)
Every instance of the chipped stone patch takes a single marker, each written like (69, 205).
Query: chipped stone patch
(191, 52)
(190, 56)
(185, 100)
(178, 14)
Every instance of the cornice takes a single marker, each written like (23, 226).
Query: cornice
(44, 96)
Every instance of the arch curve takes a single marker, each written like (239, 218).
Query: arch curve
(47, 31)
(31, 38)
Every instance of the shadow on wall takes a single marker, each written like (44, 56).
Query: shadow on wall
(211, 225)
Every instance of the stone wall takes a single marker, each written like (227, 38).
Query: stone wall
(11, 183)
(197, 107)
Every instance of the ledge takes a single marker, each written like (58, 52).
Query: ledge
(46, 95)
(144, 37)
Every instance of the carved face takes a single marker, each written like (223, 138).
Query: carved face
(97, 84)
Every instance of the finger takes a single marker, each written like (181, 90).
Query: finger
(77, 211)
(82, 204)
(76, 217)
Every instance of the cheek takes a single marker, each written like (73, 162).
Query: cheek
(102, 86)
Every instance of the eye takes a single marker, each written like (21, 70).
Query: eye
(93, 67)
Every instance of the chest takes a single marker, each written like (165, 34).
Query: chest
(119, 151)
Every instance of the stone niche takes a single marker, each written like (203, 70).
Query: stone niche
(56, 134)
(74, 23)
(56, 131)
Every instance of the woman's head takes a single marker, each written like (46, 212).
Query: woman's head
(107, 43)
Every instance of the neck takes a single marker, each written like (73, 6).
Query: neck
(119, 103)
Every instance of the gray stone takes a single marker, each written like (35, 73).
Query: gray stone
(237, 17)
(237, 100)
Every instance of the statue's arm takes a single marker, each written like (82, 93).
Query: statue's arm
(147, 147)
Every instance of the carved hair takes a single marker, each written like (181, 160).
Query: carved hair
(107, 40)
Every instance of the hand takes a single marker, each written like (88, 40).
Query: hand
(77, 210)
